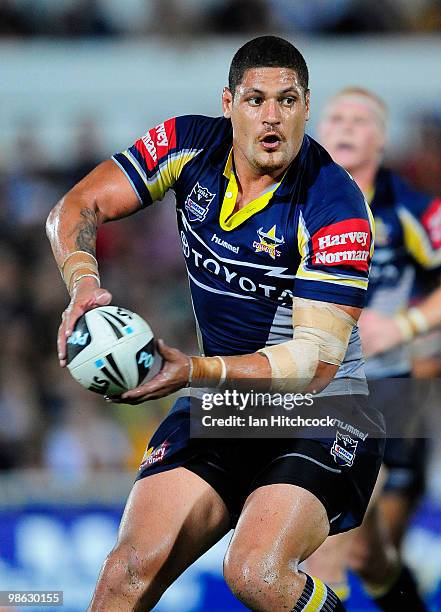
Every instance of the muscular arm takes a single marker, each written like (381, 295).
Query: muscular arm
(103, 195)
(257, 366)
(430, 308)
(381, 333)
(175, 373)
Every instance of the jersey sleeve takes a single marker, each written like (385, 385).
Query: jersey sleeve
(420, 217)
(336, 242)
(155, 161)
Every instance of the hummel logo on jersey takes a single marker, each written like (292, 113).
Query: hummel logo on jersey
(224, 243)
(268, 242)
(197, 202)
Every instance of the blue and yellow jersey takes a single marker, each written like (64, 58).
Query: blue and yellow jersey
(310, 235)
(408, 235)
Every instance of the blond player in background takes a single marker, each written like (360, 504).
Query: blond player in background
(408, 235)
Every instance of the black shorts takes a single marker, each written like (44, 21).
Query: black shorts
(341, 479)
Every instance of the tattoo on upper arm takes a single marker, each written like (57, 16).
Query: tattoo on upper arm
(86, 228)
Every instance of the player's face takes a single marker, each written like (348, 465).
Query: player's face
(268, 112)
(352, 133)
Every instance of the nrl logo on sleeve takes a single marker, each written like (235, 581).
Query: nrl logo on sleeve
(198, 202)
(268, 242)
(343, 449)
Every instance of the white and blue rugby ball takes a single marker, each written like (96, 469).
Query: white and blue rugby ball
(111, 350)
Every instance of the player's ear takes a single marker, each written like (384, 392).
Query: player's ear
(227, 102)
(307, 102)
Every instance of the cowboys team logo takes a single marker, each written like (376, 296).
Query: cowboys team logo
(268, 242)
(343, 449)
(197, 203)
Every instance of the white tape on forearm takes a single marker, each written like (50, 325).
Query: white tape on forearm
(293, 364)
(418, 320)
(66, 259)
(78, 278)
(405, 327)
(321, 333)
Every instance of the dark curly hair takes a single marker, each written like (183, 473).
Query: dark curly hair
(267, 51)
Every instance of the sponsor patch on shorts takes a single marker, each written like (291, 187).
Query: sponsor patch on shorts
(343, 449)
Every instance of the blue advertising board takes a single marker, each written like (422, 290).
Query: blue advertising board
(51, 547)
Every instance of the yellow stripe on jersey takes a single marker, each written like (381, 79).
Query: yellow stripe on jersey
(302, 238)
(229, 164)
(167, 173)
(417, 242)
(336, 279)
(318, 596)
(371, 225)
(370, 194)
(229, 220)
(134, 163)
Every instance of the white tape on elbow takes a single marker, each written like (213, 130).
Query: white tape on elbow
(321, 333)
(326, 324)
(293, 364)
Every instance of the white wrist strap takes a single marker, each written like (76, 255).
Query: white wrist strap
(418, 320)
(223, 376)
(405, 327)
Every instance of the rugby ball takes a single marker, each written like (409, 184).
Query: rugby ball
(111, 350)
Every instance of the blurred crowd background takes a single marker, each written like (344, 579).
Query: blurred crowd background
(111, 18)
(56, 126)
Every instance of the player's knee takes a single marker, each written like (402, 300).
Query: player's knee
(128, 573)
(255, 577)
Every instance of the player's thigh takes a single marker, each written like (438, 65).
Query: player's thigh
(280, 524)
(170, 519)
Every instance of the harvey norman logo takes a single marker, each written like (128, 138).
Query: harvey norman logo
(157, 141)
(347, 242)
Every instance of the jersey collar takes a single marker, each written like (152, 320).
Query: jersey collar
(229, 220)
(282, 190)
